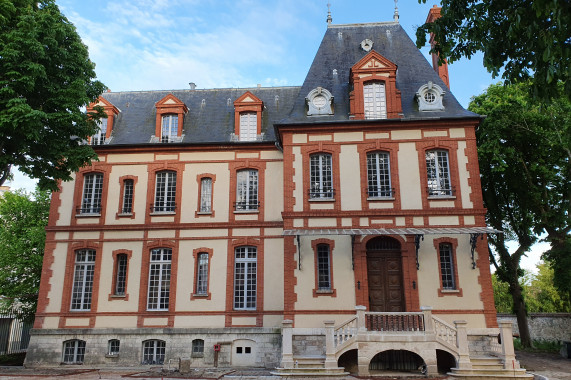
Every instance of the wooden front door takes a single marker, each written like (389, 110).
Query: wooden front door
(384, 270)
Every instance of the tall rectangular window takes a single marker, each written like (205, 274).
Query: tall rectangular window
(73, 351)
(320, 176)
(248, 126)
(165, 192)
(159, 279)
(447, 266)
(375, 100)
(206, 195)
(83, 280)
(245, 278)
(99, 137)
(438, 173)
(202, 274)
(378, 175)
(247, 190)
(128, 188)
(323, 267)
(121, 274)
(169, 131)
(92, 191)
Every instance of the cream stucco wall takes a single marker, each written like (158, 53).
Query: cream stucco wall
(274, 191)
(350, 178)
(220, 190)
(67, 208)
(140, 191)
(410, 187)
(273, 275)
(297, 178)
(57, 278)
(464, 175)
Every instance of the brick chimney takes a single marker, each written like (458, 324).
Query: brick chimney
(441, 70)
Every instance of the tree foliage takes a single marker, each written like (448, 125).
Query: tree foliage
(524, 38)
(524, 154)
(23, 218)
(46, 78)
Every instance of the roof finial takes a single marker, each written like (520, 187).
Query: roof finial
(329, 19)
(396, 17)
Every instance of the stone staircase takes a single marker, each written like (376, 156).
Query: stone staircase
(489, 367)
(310, 366)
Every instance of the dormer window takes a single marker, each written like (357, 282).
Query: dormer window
(319, 102)
(374, 95)
(105, 124)
(169, 132)
(247, 118)
(429, 97)
(170, 118)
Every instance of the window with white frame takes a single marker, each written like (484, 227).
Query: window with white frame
(92, 192)
(323, 267)
(438, 173)
(121, 274)
(128, 189)
(165, 192)
(246, 190)
(248, 126)
(113, 347)
(154, 351)
(447, 266)
(197, 348)
(245, 267)
(202, 274)
(99, 137)
(320, 176)
(169, 130)
(83, 280)
(159, 279)
(73, 351)
(206, 195)
(379, 175)
(375, 100)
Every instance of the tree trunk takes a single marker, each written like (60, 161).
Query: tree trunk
(520, 312)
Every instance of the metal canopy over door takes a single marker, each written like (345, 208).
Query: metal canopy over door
(384, 270)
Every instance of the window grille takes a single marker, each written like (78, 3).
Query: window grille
(121, 279)
(375, 100)
(197, 347)
(165, 192)
(99, 137)
(202, 274)
(206, 195)
(438, 173)
(73, 351)
(113, 347)
(323, 267)
(83, 280)
(245, 278)
(92, 191)
(169, 131)
(447, 266)
(128, 187)
(248, 126)
(159, 279)
(321, 185)
(379, 175)
(154, 351)
(247, 190)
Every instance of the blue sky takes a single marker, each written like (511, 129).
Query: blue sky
(165, 44)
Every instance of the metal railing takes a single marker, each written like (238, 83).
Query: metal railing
(89, 209)
(168, 208)
(14, 334)
(326, 194)
(441, 192)
(397, 322)
(246, 206)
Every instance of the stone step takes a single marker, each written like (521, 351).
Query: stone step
(311, 372)
(477, 376)
(309, 361)
(489, 373)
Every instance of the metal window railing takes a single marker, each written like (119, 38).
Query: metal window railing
(246, 206)
(383, 193)
(89, 209)
(441, 192)
(326, 194)
(169, 207)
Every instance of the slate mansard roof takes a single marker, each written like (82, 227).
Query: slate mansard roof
(210, 118)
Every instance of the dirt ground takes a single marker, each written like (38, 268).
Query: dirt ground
(552, 366)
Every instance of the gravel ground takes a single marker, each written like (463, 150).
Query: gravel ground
(552, 366)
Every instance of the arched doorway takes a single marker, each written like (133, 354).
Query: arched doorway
(384, 272)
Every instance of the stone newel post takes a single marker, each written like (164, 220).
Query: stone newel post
(361, 325)
(462, 343)
(287, 344)
(330, 361)
(428, 323)
(508, 352)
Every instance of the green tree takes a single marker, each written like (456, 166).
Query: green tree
(23, 218)
(46, 78)
(542, 296)
(523, 38)
(523, 149)
(502, 297)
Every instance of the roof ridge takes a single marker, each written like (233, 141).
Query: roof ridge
(380, 23)
(203, 89)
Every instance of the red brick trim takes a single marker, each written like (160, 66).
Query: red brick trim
(248, 106)
(68, 281)
(195, 253)
(290, 280)
(95, 167)
(379, 146)
(163, 109)
(441, 69)
(374, 67)
(259, 312)
(153, 169)
(331, 244)
(144, 285)
(122, 193)
(47, 272)
(238, 165)
(445, 292)
(212, 213)
(485, 281)
(307, 151)
(112, 296)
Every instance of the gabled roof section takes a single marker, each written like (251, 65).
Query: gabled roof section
(374, 62)
(106, 104)
(171, 102)
(248, 98)
(341, 50)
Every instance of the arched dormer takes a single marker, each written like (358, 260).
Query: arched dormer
(170, 117)
(105, 124)
(374, 94)
(247, 117)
